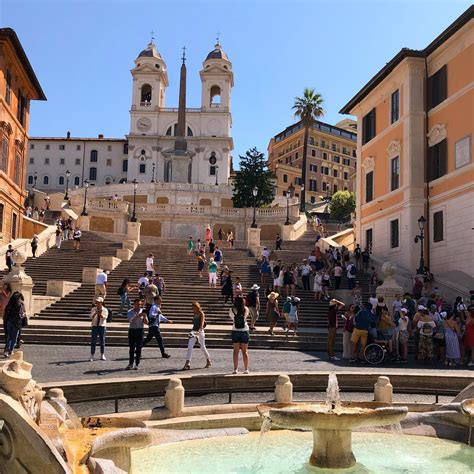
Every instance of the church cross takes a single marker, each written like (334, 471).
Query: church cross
(218, 36)
(184, 54)
(152, 34)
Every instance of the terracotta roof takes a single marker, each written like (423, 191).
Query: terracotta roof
(8, 33)
(406, 53)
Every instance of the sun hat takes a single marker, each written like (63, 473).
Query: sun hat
(99, 299)
(421, 307)
(255, 287)
(443, 314)
(404, 310)
(296, 299)
(272, 296)
(334, 301)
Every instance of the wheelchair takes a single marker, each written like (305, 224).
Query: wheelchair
(377, 352)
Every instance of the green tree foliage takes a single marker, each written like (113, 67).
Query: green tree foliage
(342, 205)
(253, 173)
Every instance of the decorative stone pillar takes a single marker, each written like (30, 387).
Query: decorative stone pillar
(89, 274)
(253, 240)
(174, 397)
(133, 231)
(283, 389)
(84, 222)
(20, 281)
(390, 288)
(383, 390)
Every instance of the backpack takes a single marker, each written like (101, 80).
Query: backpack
(252, 299)
(120, 290)
(352, 270)
(239, 320)
(110, 315)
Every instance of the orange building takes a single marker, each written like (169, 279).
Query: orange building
(18, 85)
(415, 149)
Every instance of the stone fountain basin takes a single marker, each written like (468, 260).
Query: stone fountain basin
(347, 416)
(467, 407)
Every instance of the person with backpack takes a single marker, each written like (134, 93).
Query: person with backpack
(351, 275)
(155, 318)
(98, 316)
(253, 304)
(123, 291)
(240, 333)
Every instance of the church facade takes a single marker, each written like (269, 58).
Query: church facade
(148, 153)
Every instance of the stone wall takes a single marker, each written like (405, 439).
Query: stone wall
(102, 224)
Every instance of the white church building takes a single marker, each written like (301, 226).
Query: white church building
(147, 154)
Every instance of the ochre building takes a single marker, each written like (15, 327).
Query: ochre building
(415, 118)
(18, 86)
(331, 159)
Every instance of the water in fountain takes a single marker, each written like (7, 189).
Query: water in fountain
(72, 420)
(396, 428)
(264, 429)
(332, 392)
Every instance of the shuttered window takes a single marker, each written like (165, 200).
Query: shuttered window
(368, 127)
(437, 165)
(8, 91)
(4, 156)
(369, 236)
(394, 234)
(395, 173)
(395, 109)
(437, 87)
(92, 174)
(438, 226)
(369, 186)
(17, 169)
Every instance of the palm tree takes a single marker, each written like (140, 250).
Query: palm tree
(308, 109)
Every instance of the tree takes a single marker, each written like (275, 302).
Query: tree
(342, 205)
(253, 173)
(308, 109)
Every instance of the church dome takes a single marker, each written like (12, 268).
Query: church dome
(217, 53)
(150, 52)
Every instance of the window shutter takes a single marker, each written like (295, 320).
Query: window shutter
(429, 93)
(443, 157)
(442, 84)
(430, 164)
(373, 123)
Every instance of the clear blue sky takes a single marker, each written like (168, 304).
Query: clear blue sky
(82, 52)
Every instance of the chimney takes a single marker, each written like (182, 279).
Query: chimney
(68, 135)
(101, 136)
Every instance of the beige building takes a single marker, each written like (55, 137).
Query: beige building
(331, 159)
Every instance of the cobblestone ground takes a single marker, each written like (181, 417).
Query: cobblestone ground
(59, 363)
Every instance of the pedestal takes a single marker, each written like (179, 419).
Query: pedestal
(84, 222)
(383, 390)
(390, 288)
(283, 389)
(174, 397)
(133, 231)
(253, 240)
(332, 449)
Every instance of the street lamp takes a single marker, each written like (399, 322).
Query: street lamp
(68, 175)
(302, 200)
(35, 178)
(153, 173)
(288, 197)
(421, 237)
(217, 170)
(86, 186)
(254, 194)
(134, 215)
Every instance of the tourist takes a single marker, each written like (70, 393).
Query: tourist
(150, 265)
(15, 317)
(197, 334)
(334, 306)
(425, 345)
(237, 289)
(358, 257)
(218, 257)
(363, 320)
(212, 273)
(198, 247)
(227, 286)
(374, 301)
(47, 202)
(272, 312)
(318, 286)
(326, 283)
(285, 309)
(373, 280)
(208, 237)
(347, 332)
(98, 316)
(417, 288)
(101, 284)
(403, 330)
(397, 305)
(452, 333)
(240, 333)
(159, 282)
(265, 255)
(58, 236)
(220, 236)
(288, 281)
(34, 245)
(337, 272)
(305, 273)
(190, 248)
(9, 257)
(142, 283)
(278, 242)
(365, 260)
(292, 322)
(5, 295)
(76, 238)
(357, 294)
(351, 275)
(468, 337)
(212, 248)
(253, 304)
(416, 330)
(230, 239)
(276, 276)
(123, 291)
(150, 292)
(136, 318)
(265, 272)
(201, 261)
(385, 328)
(155, 318)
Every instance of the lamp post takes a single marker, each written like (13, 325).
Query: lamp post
(86, 186)
(134, 215)
(254, 194)
(288, 197)
(302, 199)
(217, 171)
(153, 173)
(421, 237)
(35, 178)
(68, 175)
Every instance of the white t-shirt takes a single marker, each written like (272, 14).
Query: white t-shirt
(349, 274)
(101, 278)
(149, 264)
(265, 253)
(305, 270)
(338, 271)
(143, 281)
(373, 302)
(403, 323)
(232, 314)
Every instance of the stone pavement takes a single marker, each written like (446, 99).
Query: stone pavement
(60, 363)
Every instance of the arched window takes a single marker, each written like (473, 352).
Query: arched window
(4, 155)
(146, 94)
(46, 180)
(77, 181)
(94, 156)
(172, 131)
(31, 180)
(92, 174)
(61, 181)
(215, 96)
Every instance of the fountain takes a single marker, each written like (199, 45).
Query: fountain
(332, 424)
(40, 432)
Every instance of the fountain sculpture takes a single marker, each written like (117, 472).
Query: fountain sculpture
(332, 424)
(40, 432)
